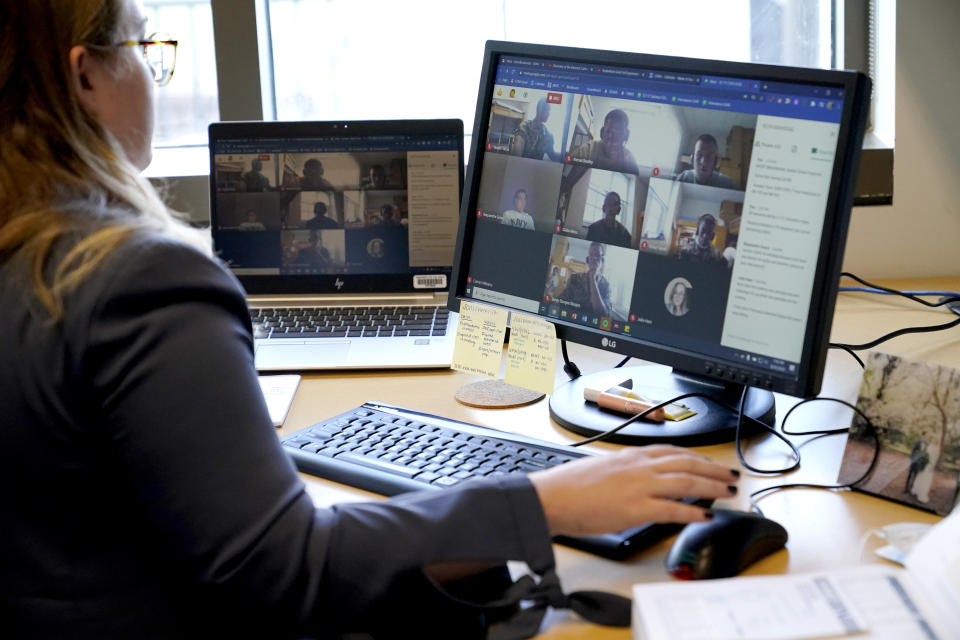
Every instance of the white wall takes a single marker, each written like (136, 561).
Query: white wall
(919, 234)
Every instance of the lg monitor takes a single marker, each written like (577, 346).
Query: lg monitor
(688, 213)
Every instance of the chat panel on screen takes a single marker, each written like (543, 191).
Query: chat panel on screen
(434, 206)
(779, 236)
(528, 123)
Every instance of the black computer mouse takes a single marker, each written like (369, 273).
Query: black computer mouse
(724, 546)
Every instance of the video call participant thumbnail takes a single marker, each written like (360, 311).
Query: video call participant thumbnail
(532, 139)
(602, 289)
(704, 171)
(523, 275)
(610, 151)
(518, 217)
(607, 229)
(701, 247)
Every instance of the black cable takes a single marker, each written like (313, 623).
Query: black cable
(568, 367)
(738, 442)
(942, 301)
(846, 348)
(950, 301)
(741, 420)
(622, 362)
(894, 334)
(809, 485)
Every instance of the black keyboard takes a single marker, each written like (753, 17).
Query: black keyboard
(391, 450)
(349, 322)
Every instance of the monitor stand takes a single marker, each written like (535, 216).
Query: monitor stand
(712, 424)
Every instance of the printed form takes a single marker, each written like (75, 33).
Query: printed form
(873, 602)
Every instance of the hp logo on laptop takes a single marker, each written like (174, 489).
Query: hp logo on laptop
(338, 283)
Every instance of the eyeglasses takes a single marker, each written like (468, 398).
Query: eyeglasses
(160, 54)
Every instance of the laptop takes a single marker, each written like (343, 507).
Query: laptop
(343, 235)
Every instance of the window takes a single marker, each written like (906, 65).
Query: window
(185, 106)
(342, 59)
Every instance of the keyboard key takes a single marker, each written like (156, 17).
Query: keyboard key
(374, 463)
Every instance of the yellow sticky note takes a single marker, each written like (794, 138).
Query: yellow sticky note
(479, 344)
(532, 355)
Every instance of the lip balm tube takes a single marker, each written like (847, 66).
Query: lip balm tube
(628, 406)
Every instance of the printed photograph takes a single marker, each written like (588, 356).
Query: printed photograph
(915, 408)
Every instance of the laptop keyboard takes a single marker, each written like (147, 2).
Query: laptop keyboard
(390, 453)
(349, 322)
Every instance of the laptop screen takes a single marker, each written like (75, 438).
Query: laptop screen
(328, 207)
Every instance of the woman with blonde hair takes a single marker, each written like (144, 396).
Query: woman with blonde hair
(144, 492)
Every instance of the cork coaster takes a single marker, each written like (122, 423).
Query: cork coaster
(495, 394)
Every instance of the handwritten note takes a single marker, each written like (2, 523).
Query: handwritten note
(532, 355)
(479, 343)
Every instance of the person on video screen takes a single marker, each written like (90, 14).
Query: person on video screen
(701, 248)
(678, 301)
(314, 254)
(518, 217)
(251, 222)
(320, 220)
(390, 217)
(553, 281)
(590, 290)
(705, 152)
(610, 152)
(313, 179)
(376, 177)
(254, 180)
(532, 139)
(607, 229)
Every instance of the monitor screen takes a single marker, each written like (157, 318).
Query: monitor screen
(690, 213)
(301, 206)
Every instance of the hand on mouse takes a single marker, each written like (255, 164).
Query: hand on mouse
(612, 492)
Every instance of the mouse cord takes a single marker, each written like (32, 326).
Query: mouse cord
(857, 430)
(948, 298)
(742, 419)
(868, 287)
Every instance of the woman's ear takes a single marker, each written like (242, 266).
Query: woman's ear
(81, 64)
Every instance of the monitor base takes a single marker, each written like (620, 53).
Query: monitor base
(712, 424)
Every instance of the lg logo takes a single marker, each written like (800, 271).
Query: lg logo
(338, 283)
(609, 344)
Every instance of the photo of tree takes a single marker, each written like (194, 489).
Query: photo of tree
(915, 408)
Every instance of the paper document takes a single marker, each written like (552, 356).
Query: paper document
(876, 602)
(532, 354)
(479, 345)
(278, 391)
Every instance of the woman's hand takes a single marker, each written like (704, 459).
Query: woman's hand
(612, 492)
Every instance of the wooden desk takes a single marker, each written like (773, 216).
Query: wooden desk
(826, 528)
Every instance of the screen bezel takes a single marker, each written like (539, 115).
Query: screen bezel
(328, 283)
(808, 377)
